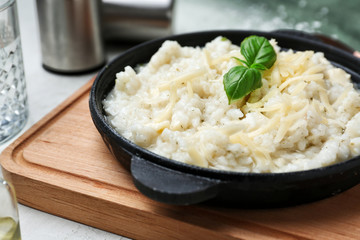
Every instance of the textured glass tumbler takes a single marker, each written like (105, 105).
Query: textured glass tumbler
(13, 96)
(9, 218)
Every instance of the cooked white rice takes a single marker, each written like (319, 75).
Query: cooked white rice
(306, 115)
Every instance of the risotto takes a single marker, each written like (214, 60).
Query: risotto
(305, 115)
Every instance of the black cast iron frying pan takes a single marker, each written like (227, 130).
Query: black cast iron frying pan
(173, 182)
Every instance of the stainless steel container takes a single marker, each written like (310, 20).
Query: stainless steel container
(71, 35)
(137, 20)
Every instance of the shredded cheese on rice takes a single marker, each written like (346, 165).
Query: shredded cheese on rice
(306, 114)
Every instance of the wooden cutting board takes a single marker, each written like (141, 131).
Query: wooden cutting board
(61, 166)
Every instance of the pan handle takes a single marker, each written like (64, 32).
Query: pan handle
(171, 186)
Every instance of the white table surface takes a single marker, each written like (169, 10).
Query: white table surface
(189, 16)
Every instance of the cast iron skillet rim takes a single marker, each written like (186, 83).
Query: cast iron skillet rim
(147, 155)
(274, 34)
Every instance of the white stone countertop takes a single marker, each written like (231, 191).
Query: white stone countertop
(189, 16)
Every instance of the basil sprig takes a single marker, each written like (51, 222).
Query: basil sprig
(239, 81)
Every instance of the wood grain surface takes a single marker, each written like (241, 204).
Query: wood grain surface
(61, 166)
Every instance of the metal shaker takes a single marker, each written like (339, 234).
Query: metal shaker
(71, 35)
(137, 20)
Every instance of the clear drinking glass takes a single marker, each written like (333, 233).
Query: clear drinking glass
(9, 218)
(13, 96)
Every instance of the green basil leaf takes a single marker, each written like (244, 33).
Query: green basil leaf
(240, 81)
(258, 50)
(241, 61)
(258, 66)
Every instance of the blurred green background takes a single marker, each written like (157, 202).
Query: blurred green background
(335, 18)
